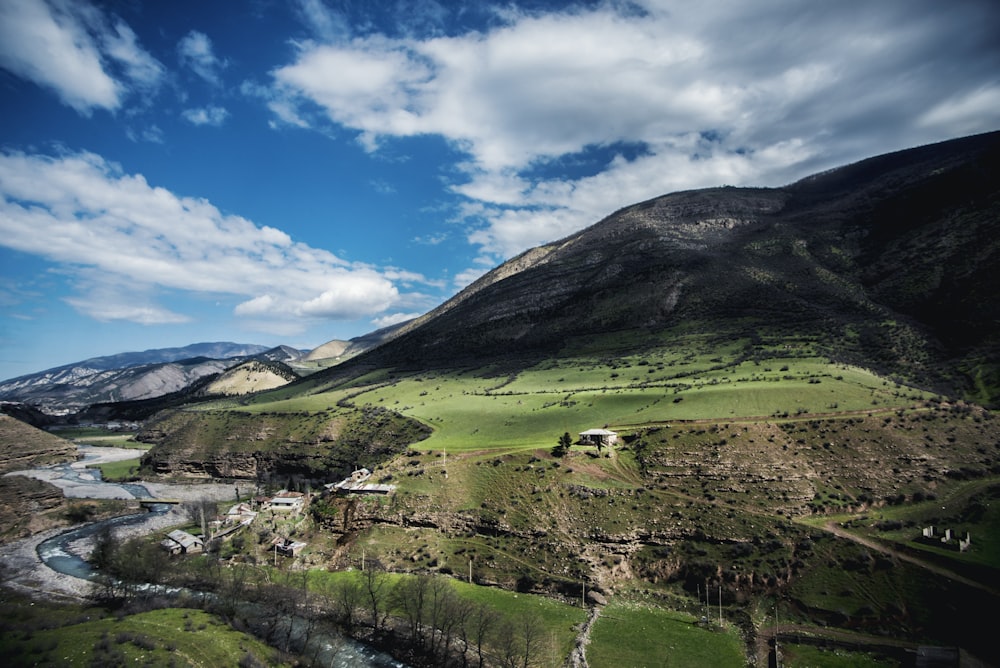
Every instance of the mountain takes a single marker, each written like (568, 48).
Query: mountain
(338, 350)
(132, 376)
(890, 263)
(252, 376)
(792, 376)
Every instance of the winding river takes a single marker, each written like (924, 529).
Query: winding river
(77, 481)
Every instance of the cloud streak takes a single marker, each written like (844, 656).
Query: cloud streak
(123, 240)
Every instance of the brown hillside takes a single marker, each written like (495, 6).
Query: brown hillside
(23, 446)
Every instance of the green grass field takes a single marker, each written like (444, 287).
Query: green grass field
(640, 636)
(805, 656)
(486, 409)
(120, 471)
(170, 637)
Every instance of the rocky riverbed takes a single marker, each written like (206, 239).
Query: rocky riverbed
(22, 568)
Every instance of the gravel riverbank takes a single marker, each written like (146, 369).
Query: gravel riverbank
(21, 567)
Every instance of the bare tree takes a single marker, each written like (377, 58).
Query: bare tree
(347, 597)
(408, 598)
(199, 512)
(478, 628)
(374, 583)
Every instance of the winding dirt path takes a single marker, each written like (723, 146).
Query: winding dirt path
(841, 532)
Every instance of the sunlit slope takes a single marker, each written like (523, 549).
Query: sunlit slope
(490, 407)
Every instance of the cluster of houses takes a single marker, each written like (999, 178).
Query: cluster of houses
(238, 516)
(285, 502)
(948, 538)
(359, 482)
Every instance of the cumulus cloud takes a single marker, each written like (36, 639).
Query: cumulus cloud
(215, 116)
(195, 51)
(122, 240)
(746, 93)
(72, 48)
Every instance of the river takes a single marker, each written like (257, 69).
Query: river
(65, 552)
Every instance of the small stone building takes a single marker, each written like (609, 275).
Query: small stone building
(181, 542)
(598, 437)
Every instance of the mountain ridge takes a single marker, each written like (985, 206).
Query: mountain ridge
(849, 254)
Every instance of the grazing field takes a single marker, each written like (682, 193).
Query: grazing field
(636, 635)
(170, 637)
(497, 409)
(124, 470)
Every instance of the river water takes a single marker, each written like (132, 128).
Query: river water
(77, 481)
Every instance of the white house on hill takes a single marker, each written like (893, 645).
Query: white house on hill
(598, 437)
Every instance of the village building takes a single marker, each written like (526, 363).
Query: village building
(287, 547)
(181, 542)
(358, 483)
(288, 502)
(599, 437)
(241, 513)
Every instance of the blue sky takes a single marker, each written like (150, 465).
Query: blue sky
(291, 172)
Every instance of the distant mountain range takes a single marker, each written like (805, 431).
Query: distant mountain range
(132, 376)
(198, 370)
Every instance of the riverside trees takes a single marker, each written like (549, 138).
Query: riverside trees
(422, 618)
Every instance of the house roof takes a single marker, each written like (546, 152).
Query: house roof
(183, 538)
(598, 432)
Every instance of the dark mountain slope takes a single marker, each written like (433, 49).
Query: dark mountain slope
(889, 263)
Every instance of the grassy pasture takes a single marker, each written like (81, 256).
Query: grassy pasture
(483, 408)
(634, 635)
(121, 471)
(806, 656)
(169, 637)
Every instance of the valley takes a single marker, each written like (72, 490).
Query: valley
(797, 386)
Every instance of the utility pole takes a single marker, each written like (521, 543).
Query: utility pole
(470, 570)
(777, 656)
(720, 606)
(708, 611)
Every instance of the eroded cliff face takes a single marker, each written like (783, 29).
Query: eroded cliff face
(239, 444)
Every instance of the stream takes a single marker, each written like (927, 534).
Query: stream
(77, 481)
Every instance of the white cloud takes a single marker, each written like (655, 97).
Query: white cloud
(195, 51)
(327, 24)
(123, 240)
(394, 319)
(749, 93)
(965, 110)
(215, 116)
(73, 49)
(109, 308)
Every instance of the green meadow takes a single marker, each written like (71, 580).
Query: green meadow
(489, 408)
(639, 636)
(169, 637)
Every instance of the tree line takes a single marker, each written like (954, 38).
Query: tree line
(418, 618)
